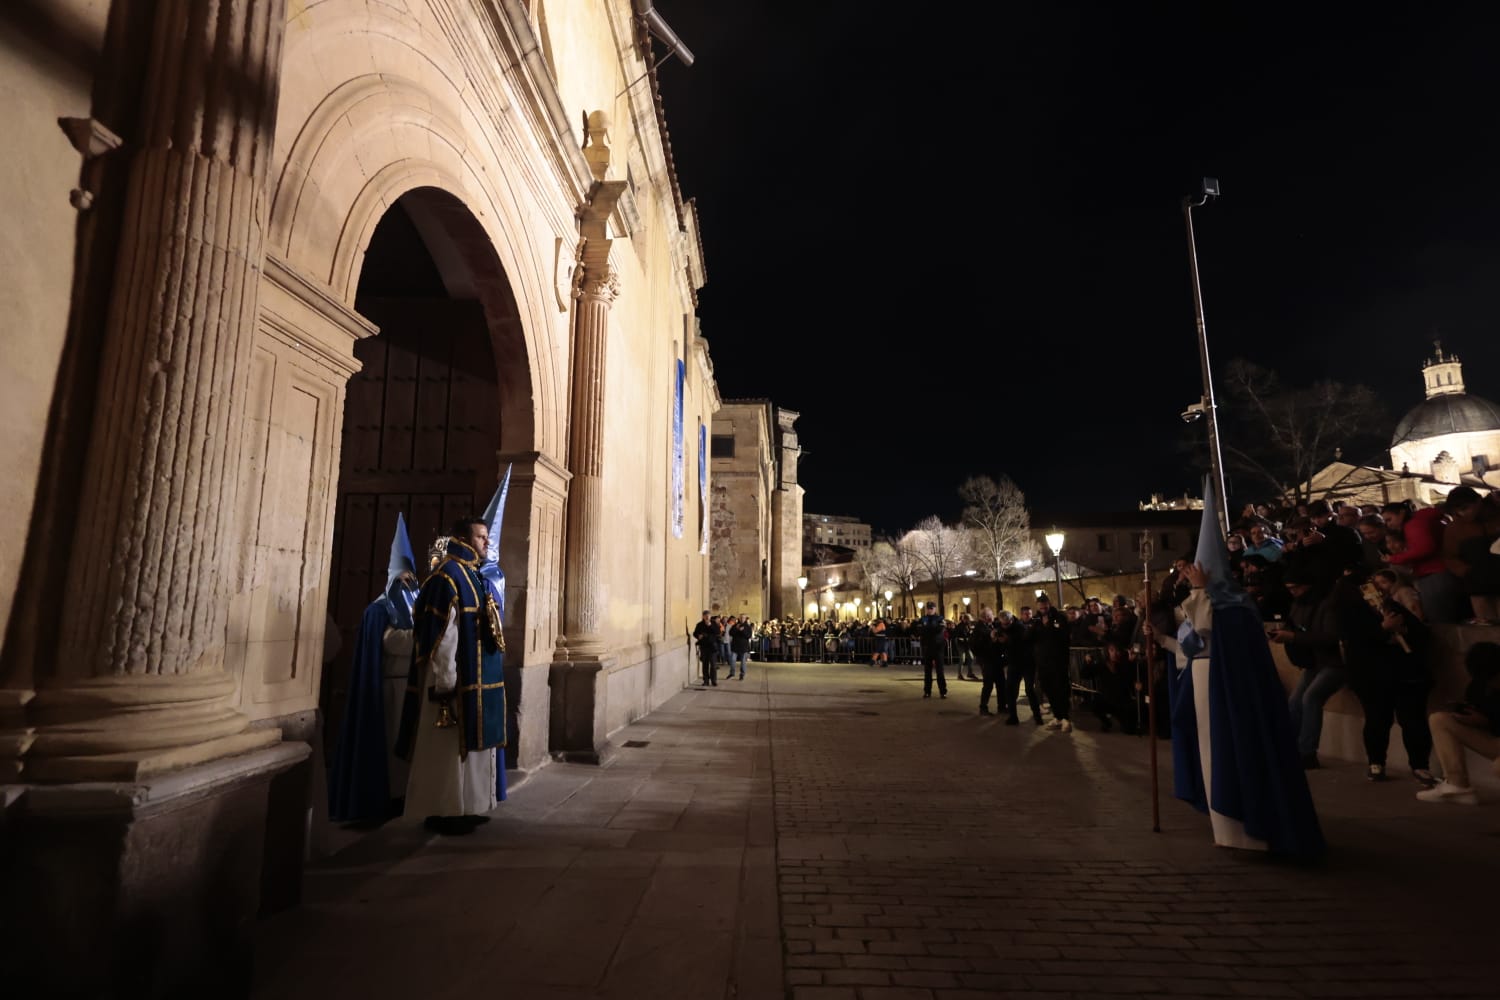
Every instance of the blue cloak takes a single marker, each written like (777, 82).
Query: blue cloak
(1257, 774)
(359, 776)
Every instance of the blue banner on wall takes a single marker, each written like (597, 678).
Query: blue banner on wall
(703, 488)
(678, 485)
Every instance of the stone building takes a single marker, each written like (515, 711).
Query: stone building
(272, 271)
(755, 492)
(1452, 436)
(835, 529)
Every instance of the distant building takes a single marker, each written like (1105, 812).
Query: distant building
(1109, 542)
(1449, 439)
(832, 529)
(1184, 502)
(1452, 436)
(754, 560)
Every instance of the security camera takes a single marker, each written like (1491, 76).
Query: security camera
(1194, 411)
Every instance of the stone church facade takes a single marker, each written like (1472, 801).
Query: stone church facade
(275, 270)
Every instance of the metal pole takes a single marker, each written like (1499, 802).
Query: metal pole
(1057, 564)
(1150, 652)
(1210, 407)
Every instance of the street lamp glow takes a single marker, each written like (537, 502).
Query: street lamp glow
(812, 607)
(966, 603)
(1055, 541)
(801, 583)
(1023, 564)
(888, 596)
(971, 572)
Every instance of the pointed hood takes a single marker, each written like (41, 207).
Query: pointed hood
(399, 593)
(402, 559)
(1213, 555)
(489, 560)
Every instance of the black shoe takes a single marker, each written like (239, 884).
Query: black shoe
(926, 694)
(1310, 762)
(985, 711)
(1375, 773)
(942, 694)
(1105, 725)
(1012, 721)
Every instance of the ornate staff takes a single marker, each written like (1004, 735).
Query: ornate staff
(1146, 554)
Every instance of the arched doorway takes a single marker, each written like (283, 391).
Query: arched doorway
(422, 419)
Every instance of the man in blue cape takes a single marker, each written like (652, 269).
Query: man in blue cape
(364, 776)
(1234, 753)
(453, 717)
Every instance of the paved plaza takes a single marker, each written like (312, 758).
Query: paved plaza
(822, 832)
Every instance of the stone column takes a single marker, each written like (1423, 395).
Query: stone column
(578, 681)
(140, 686)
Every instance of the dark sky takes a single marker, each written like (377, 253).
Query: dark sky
(953, 240)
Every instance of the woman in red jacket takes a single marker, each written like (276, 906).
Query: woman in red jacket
(1422, 556)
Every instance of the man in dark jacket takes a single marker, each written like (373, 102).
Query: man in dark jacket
(1019, 666)
(740, 634)
(1049, 647)
(1312, 639)
(988, 647)
(706, 635)
(932, 631)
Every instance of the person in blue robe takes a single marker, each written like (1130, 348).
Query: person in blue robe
(1234, 751)
(362, 779)
(494, 580)
(454, 714)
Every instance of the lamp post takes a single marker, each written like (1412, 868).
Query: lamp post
(1209, 189)
(856, 608)
(802, 594)
(888, 596)
(966, 604)
(1055, 543)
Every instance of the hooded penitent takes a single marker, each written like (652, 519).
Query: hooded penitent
(1257, 776)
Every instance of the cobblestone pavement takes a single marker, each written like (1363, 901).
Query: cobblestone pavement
(821, 832)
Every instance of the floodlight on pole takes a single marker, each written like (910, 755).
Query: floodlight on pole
(1207, 190)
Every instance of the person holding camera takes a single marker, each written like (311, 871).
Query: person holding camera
(987, 644)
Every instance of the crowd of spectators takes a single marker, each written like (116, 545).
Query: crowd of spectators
(1350, 591)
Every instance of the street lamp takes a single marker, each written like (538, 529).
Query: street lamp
(1209, 409)
(966, 604)
(888, 596)
(856, 608)
(802, 590)
(1055, 543)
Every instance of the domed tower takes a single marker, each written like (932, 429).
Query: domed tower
(1450, 434)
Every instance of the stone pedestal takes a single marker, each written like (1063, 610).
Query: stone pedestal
(128, 889)
(580, 698)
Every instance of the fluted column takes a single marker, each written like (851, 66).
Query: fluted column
(140, 671)
(598, 286)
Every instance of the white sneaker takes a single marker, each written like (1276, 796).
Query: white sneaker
(1055, 724)
(1445, 792)
(1067, 725)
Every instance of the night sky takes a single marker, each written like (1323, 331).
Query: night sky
(956, 245)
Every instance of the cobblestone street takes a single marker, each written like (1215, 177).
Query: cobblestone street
(824, 833)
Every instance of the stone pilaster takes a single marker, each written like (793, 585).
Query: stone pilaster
(140, 687)
(579, 682)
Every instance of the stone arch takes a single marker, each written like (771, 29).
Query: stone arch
(366, 144)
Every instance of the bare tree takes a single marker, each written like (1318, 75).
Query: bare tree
(999, 528)
(940, 551)
(895, 564)
(1282, 435)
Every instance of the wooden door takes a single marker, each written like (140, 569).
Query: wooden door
(420, 435)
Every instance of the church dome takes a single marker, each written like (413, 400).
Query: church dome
(1447, 414)
(1448, 409)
